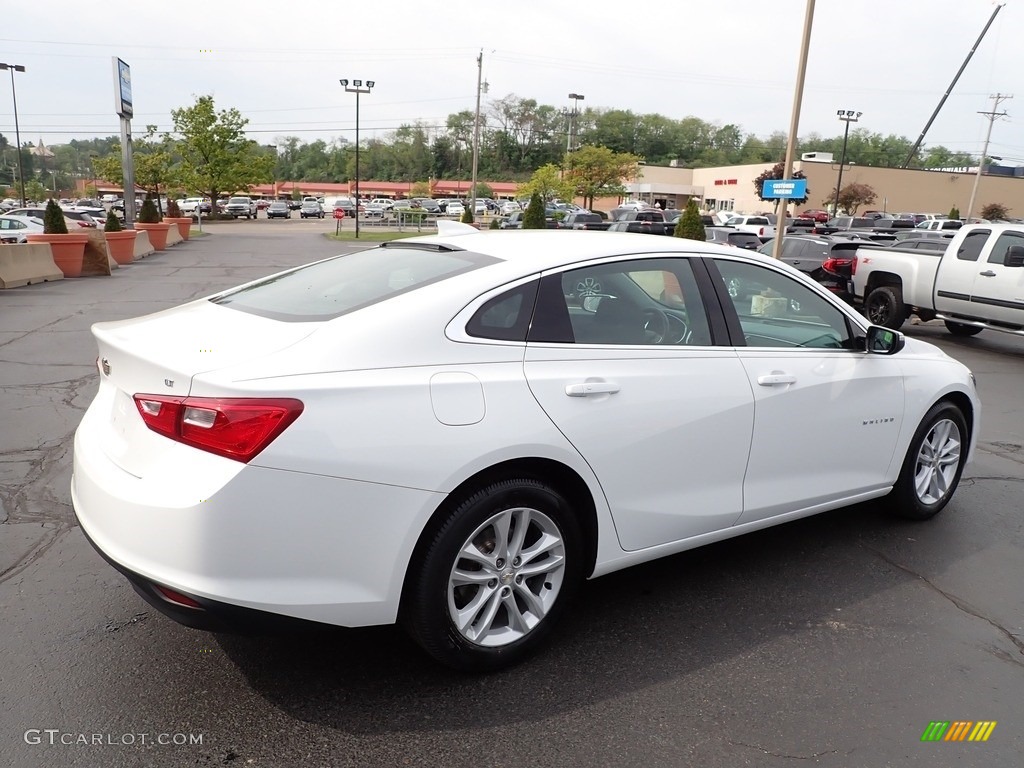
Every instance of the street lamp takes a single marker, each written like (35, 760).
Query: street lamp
(17, 132)
(848, 116)
(357, 88)
(576, 99)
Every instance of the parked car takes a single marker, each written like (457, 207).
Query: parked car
(311, 210)
(454, 208)
(15, 228)
(644, 227)
(584, 220)
(513, 221)
(757, 225)
(973, 284)
(734, 237)
(429, 204)
(815, 214)
(72, 218)
(239, 206)
(191, 205)
(826, 260)
(383, 202)
(430, 477)
(278, 209)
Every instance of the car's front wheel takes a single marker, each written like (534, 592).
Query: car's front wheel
(488, 584)
(933, 465)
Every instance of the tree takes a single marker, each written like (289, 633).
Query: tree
(689, 224)
(775, 172)
(467, 215)
(597, 171)
(954, 212)
(420, 189)
(215, 154)
(53, 219)
(995, 212)
(546, 182)
(533, 217)
(34, 190)
(852, 197)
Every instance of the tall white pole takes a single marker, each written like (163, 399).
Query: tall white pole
(476, 131)
(794, 125)
(984, 151)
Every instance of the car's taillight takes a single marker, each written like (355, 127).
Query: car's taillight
(760, 231)
(234, 427)
(853, 266)
(834, 265)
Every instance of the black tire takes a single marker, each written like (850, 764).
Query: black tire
(944, 424)
(884, 306)
(962, 329)
(431, 594)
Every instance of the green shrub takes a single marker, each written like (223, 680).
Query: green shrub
(954, 212)
(688, 225)
(173, 211)
(112, 224)
(533, 218)
(495, 224)
(467, 216)
(53, 219)
(149, 214)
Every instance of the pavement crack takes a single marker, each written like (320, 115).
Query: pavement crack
(758, 747)
(35, 553)
(962, 605)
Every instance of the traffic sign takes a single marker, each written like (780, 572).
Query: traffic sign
(339, 213)
(784, 188)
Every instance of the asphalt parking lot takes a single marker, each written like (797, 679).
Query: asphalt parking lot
(831, 641)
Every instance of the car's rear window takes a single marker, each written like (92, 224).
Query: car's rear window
(744, 239)
(328, 289)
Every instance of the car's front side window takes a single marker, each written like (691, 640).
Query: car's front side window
(1003, 245)
(776, 310)
(637, 302)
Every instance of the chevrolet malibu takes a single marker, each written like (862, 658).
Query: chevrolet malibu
(452, 432)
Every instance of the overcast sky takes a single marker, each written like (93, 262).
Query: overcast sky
(725, 62)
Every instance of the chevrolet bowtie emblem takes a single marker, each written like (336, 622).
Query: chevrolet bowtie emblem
(105, 365)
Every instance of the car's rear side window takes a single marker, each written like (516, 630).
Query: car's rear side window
(328, 289)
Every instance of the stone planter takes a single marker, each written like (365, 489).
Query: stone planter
(157, 233)
(183, 223)
(68, 251)
(121, 245)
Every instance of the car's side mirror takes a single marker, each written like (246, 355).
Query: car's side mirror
(1014, 256)
(884, 341)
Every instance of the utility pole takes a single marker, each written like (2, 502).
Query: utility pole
(999, 97)
(476, 131)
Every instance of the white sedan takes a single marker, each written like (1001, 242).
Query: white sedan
(15, 228)
(454, 431)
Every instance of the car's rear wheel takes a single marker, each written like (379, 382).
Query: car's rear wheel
(933, 465)
(962, 329)
(486, 588)
(884, 306)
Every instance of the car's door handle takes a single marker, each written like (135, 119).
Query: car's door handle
(987, 273)
(775, 378)
(591, 388)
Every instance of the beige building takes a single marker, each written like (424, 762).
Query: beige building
(732, 188)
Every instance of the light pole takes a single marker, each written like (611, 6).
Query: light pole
(848, 116)
(576, 99)
(17, 132)
(357, 88)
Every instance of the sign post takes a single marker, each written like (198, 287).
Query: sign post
(123, 109)
(339, 214)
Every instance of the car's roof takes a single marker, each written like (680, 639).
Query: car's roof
(527, 251)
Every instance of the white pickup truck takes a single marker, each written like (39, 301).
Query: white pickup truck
(758, 225)
(977, 282)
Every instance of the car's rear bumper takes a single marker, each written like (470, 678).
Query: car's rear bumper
(242, 540)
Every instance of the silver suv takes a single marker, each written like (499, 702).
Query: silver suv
(240, 206)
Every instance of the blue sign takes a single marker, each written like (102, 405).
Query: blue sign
(123, 89)
(784, 188)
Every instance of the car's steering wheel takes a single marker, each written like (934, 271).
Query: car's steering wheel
(656, 325)
(679, 331)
